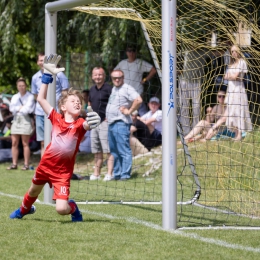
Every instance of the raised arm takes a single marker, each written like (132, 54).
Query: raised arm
(50, 69)
(42, 98)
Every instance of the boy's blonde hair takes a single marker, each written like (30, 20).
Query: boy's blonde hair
(64, 96)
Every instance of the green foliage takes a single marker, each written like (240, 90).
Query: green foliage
(16, 42)
(22, 36)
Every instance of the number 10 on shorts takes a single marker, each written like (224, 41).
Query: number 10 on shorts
(63, 190)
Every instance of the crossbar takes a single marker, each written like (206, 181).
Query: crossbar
(67, 4)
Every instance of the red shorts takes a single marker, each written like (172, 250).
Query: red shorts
(60, 182)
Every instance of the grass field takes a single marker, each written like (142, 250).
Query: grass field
(112, 231)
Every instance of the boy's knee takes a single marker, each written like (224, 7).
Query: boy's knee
(62, 209)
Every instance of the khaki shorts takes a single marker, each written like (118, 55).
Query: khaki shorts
(99, 139)
(21, 125)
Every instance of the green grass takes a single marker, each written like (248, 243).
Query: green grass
(116, 231)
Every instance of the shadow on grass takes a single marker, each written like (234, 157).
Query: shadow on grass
(63, 222)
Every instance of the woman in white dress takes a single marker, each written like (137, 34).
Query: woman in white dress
(236, 116)
(22, 105)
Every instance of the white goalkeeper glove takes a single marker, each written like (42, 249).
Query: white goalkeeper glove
(50, 64)
(93, 119)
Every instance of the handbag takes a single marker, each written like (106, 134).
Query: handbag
(31, 115)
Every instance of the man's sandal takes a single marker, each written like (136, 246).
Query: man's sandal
(25, 167)
(12, 167)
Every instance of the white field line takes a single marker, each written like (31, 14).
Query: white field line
(207, 240)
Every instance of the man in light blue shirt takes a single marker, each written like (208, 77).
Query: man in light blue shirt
(62, 83)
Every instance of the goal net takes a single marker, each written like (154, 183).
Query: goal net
(218, 180)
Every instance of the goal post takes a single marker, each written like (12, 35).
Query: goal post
(168, 77)
(169, 83)
(50, 47)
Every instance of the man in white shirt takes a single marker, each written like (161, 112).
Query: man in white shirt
(134, 69)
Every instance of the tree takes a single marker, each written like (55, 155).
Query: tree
(22, 36)
(16, 42)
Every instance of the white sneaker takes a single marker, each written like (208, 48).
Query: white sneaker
(108, 178)
(94, 177)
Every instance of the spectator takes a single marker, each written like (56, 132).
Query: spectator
(190, 82)
(236, 116)
(122, 102)
(134, 69)
(212, 116)
(22, 104)
(62, 83)
(153, 121)
(98, 99)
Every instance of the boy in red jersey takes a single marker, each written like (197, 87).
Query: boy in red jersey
(57, 163)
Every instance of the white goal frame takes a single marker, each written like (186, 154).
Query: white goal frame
(168, 79)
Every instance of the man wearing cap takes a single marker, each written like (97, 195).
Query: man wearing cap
(134, 69)
(153, 121)
(122, 102)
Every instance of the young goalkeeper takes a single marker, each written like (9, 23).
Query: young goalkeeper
(57, 163)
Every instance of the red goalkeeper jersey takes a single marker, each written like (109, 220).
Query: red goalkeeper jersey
(59, 156)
